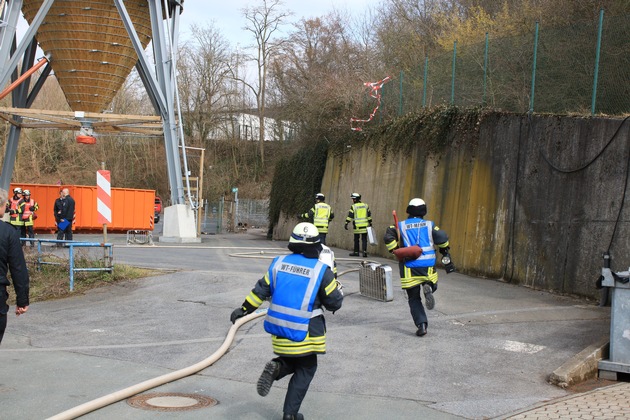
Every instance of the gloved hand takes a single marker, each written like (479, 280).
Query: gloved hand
(237, 313)
(444, 251)
(345, 226)
(32, 208)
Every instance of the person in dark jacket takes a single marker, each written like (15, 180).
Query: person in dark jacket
(11, 259)
(299, 285)
(64, 212)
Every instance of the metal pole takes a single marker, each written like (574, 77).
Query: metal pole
(220, 214)
(71, 258)
(400, 96)
(200, 194)
(597, 51)
(531, 98)
(453, 73)
(104, 224)
(485, 71)
(424, 83)
(205, 214)
(235, 210)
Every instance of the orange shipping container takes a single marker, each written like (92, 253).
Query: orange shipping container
(132, 209)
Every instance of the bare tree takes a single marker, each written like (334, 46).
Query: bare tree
(263, 22)
(316, 70)
(204, 80)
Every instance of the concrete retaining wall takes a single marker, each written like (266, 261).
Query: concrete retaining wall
(516, 205)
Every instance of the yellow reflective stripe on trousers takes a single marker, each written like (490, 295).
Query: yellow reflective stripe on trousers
(309, 345)
(409, 281)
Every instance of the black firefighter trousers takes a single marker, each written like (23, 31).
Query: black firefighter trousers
(303, 369)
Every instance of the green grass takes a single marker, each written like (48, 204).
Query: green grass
(53, 281)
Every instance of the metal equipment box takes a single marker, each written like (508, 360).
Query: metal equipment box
(375, 281)
(619, 360)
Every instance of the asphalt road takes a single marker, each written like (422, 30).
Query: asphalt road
(488, 352)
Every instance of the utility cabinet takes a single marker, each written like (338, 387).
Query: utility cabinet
(619, 355)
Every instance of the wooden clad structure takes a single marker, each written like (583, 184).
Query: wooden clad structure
(91, 52)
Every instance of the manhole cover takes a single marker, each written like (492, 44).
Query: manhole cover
(166, 401)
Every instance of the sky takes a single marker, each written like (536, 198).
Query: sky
(229, 20)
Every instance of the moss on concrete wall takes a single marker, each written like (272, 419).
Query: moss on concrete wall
(533, 200)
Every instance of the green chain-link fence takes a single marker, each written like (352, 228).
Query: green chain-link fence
(578, 69)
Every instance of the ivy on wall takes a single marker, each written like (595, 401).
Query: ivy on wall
(434, 129)
(298, 178)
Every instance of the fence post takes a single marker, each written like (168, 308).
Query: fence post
(597, 51)
(424, 83)
(400, 96)
(485, 71)
(71, 261)
(453, 74)
(531, 98)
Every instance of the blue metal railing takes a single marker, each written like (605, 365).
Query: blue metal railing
(71, 245)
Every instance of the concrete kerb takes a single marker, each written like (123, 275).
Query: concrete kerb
(581, 367)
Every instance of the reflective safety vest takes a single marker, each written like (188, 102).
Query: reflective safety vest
(415, 231)
(294, 284)
(321, 216)
(27, 213)
(14, 216)
(360, 215)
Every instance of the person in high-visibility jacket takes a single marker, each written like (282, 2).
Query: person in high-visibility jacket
(299, 286)
(361, 218)
(321, 214)
(419, 273)
(13, 208)
(28, 207)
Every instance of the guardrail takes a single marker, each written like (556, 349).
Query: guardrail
(108, 256)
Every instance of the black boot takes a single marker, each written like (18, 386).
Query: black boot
(297, 416)
(270, 373)
(354, 254)
(422, 329)
(428, 295)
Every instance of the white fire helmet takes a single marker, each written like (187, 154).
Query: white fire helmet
(304, 233)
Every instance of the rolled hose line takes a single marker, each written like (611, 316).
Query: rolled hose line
(105, 400)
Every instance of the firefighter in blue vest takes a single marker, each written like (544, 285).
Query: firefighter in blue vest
(300, 286)
(419, 274)
(321, 214)
(361, 218)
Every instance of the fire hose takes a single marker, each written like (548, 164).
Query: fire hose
(128, 392)
(101, 402)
